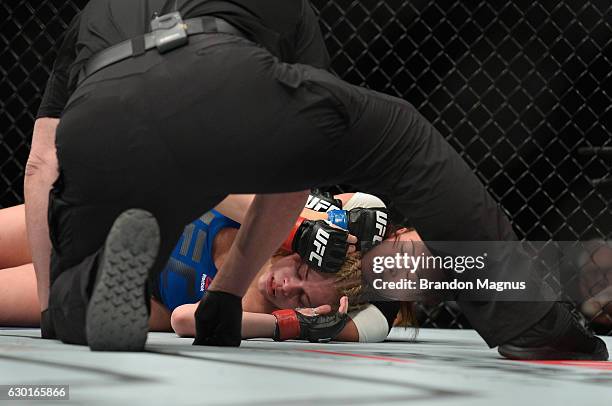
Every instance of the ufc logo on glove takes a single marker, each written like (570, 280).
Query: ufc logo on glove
(320, 205)
(381, 226)
(320, 243)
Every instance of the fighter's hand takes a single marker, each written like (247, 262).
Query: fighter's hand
(319, 243)
(218, 320)
(324, 309)
(368, 225)
(312, 324)
(351, 240)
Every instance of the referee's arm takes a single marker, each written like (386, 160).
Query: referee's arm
(41, 171)
(42, 166)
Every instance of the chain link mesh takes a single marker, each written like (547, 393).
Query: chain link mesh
(522, 89)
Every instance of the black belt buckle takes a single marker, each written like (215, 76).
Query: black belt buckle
(170, 32)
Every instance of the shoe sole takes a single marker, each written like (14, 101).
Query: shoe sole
(117, 315)
(549, 354)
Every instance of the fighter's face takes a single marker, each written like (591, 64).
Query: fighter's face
(289, 283)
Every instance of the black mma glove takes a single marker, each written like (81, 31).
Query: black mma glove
(322, 201)
(291, 324)
(46, 325)
(368, 225)
(318, 243)
(218, 320)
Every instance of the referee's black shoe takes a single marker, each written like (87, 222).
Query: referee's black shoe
(558, 336)
(118, 314)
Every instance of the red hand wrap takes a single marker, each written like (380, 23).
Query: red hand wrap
(288, 324)
(288, 244)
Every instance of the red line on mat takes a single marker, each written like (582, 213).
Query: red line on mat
(350, 354)
(602, 365)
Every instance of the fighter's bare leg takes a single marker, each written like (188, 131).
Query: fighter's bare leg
(19, 305)
(160, 317)
(14, 249)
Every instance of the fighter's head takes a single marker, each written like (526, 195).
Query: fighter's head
(286, 282)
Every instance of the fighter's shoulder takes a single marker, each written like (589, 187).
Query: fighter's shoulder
(375, 321)
(214, 218)
(360, 200)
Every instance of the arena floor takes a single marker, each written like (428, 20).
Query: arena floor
(444, 367)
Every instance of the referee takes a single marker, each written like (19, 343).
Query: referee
(154, 96)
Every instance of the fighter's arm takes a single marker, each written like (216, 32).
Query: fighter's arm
(253, 324)
(256, 325)
(302, 238)
(236, 207)
(366, 325)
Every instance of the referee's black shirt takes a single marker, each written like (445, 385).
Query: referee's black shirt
(289, 29)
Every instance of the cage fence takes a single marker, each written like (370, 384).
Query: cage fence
(522, 89)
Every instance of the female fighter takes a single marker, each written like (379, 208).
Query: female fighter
(285, 282)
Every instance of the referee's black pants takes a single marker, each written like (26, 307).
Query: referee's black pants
(174, 134)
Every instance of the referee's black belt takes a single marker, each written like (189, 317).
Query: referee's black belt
(163, 41)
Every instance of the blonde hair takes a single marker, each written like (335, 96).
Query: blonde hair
(349, 282)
